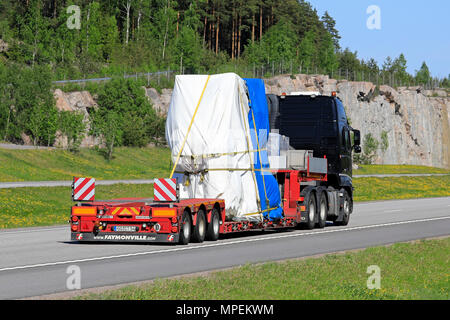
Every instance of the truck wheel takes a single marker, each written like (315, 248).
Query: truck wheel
(311, 209)
(212, 233)
(322, 209)
(346, 211)
(200, 227)
(186, 228)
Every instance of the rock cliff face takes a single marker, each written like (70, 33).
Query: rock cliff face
(417, 122)
(160, 102)
(77, 101)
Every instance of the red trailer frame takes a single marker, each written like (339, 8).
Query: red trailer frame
(143, 220)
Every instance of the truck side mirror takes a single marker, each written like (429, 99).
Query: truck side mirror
(357, 137)
(357, 149)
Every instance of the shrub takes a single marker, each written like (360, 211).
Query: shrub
(369, 149)
(125, 117)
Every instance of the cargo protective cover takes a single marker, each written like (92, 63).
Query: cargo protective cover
(218, 157)
(259, 129)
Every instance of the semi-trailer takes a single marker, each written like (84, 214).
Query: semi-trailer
(315, 186)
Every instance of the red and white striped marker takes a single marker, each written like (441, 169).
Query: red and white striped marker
(165, 190)
(83, 189)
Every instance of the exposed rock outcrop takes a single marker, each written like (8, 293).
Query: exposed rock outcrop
(77, 101)
(416, 121)
(160, 102)
(3, 46)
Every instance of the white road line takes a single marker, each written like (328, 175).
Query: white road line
(387, 211)
(220, 244)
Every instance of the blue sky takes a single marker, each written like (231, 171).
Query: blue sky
(418, 29)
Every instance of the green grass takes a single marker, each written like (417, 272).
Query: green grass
(368, 189)
(397, 169)
(26, 207)
(408, 271)
(47, 165)
(31, 207)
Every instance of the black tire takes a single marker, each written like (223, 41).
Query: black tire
(322, 208)
(200, 227)
(186, 228)
(346, 210)
(213, 231)
(311, 208)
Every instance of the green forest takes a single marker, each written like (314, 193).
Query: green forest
(116, 36)
(46, 40)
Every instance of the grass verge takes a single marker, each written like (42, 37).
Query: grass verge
(370, 189)
(28, 207)
(57, 164)
(128, 163)
(32, 207)
(408, 271)
(397, 169)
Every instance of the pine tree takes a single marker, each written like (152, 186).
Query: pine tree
(330, 26)
(423, 76)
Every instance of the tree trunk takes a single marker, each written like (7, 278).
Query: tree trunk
(111, 147)
(54, 8)
(139, 21)
(178, 21)
(232, 38)
(87, 28)
(204, 28)
(167, 30)
(34, 50)
(260, 22)
(271, 16)
(253, 28)
(217, 35)
(239, 37)
(213, 29)
(128, 7)
(210, 36)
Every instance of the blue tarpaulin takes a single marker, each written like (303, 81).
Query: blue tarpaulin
(258, 118)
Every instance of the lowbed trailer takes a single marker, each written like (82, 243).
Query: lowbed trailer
(304, 202)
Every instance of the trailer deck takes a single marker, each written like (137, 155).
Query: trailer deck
(146, 220)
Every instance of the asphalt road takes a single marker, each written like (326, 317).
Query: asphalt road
(34, 261)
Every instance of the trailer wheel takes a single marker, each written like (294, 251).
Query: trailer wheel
(322, 208)
(212, 233)
(347, 210)
(186, 228)
(200, 227)
(311, 208)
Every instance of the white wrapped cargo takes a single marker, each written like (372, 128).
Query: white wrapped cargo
(215, 161)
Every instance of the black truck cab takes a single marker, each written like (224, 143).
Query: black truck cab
(318, 123)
